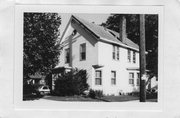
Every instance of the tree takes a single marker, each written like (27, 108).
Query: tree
(41, 47)
(132, 25)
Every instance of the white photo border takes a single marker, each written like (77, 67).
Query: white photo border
(92, 106)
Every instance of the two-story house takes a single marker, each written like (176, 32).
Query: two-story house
(110, 58)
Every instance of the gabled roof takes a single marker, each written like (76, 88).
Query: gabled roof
(104, 34)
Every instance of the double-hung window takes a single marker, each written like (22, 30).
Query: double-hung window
(67, 55)
(98, 77)
(131, 78)
(115, 52)
(129, 55)
(134, 57)
(82, 52)
(113, 77)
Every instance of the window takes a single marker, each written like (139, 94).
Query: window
(115, 53)
(129, 55)
(98, 77)
(67, 55)
(131, 78)
(83, 51)
(138, 79)
(113, 77)
(134, 57)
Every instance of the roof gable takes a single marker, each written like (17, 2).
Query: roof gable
(103, 33)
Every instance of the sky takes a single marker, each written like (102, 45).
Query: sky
(96, 18)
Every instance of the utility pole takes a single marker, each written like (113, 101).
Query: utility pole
(142, 59)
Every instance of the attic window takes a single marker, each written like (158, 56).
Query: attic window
(74, 32)
(73, 21)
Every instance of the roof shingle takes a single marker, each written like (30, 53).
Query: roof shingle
(104, 33)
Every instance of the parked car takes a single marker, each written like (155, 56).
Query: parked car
(43, 90)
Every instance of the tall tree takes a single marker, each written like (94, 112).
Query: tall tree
(151, 27)
(41, 47)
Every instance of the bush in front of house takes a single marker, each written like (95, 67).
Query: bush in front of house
(134, 93)
(28, 89)
(95, 93)
(151, 94)
(71, 83)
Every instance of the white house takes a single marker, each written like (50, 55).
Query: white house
(110, 58)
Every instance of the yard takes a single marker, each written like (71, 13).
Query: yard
(123, 98)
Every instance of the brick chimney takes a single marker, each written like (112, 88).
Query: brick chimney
(122, 29)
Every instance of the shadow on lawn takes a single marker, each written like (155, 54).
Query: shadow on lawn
(31, 97)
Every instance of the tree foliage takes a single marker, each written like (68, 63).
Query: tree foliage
(133, 33)
(41, 49)
(71, 83)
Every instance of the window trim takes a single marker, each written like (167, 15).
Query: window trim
(118, 50)
(113, 78)
(98, 78)
(67, 62)
(115, 52)
(131, 78)
(80, 56)
(129, 55)
(134, 57)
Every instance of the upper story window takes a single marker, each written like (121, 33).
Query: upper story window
(129, 55)
(134, 57)
(115, 52)
(98, 77)
(113, 77)
(131, 78)
(83, 52)
(67, 55)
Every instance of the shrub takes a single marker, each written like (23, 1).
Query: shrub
(134, 93)
(92, 94)
(151, 94)
(28, 89)
(71, 83)
(95, 93)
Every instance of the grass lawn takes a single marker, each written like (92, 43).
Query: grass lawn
(121, 98)
(71, 98)
(86, 99)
